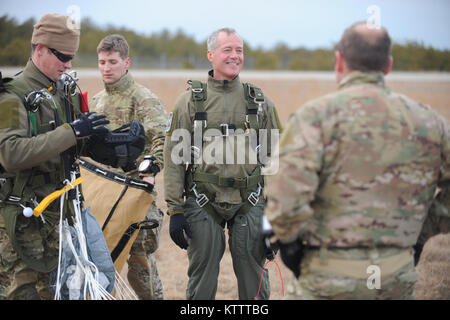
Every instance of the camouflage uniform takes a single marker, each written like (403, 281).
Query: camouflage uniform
(20, 152)
(123, 101)
(225, 104)
(357, 177)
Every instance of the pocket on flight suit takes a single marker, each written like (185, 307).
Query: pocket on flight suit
(246, 233)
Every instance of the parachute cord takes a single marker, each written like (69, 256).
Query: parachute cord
(260, 283)
(85, 270)
(58, 275)
(123, 291)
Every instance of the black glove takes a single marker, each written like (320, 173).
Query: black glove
(88, 124)
(292, 254)
(271, 249)
(177, 225)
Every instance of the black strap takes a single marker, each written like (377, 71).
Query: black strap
(124, 180)
(201, 116)
(113, 209)
(198, 90)
(129, 233)
(254, 97)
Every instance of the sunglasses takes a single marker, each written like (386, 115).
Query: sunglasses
(61, 56)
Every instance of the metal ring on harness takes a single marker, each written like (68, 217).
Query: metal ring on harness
(201, 198)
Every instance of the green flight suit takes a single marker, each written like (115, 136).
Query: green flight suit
(225, 106)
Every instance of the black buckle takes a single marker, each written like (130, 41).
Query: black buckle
(225, 128)
(227, 181)
(198, 94)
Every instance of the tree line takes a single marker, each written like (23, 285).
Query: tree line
(170, 50)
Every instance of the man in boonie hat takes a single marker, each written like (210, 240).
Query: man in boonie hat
(42, 131)
(54, 43)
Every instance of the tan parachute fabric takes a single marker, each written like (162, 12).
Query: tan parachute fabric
(101, 194)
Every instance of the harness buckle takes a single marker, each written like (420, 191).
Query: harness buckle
(14, 199)
(256, 95)
(253, 198)
(201, 198)
(195, 151)
(227, 129)
(34, 100)
(197, 90)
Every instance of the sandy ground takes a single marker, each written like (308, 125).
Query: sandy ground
(289, 91)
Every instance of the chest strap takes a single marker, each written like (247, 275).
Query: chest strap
(253, 95)
(250, 182)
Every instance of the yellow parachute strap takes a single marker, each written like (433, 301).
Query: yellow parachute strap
(54, 195)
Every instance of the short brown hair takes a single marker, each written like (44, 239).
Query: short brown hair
(114, 42)
(365, 53)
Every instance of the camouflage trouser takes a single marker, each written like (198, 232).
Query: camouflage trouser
(142, 272)
(331, 275)
(17, 281)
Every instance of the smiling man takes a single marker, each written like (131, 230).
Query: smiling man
(219, 194)
(124, 100)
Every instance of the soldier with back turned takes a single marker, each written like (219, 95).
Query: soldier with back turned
(361, 172)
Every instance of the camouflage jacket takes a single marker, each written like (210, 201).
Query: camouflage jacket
(225, 104)
(126, 100)
(359, 167)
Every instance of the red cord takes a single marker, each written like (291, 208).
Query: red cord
(260, 282)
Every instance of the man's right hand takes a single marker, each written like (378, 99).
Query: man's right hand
(177, 226)
(89, 124)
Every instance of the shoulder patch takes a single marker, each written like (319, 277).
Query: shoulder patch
(9, 111)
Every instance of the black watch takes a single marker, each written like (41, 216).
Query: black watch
(148, 166)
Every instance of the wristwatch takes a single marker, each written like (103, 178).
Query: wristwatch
(148, 166)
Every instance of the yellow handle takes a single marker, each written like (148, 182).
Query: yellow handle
(54, 195)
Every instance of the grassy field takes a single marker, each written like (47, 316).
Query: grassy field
(289, 91)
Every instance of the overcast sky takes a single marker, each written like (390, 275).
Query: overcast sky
(265, 23)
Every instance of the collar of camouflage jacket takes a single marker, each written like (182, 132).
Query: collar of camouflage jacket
(358, 77)
(223, 85)
(120, 85)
